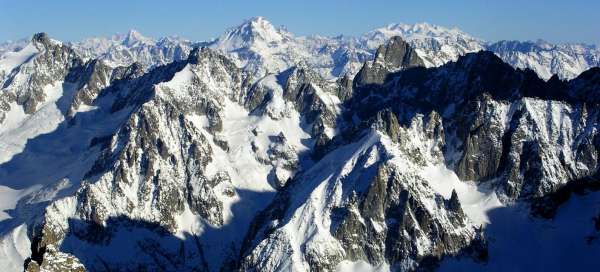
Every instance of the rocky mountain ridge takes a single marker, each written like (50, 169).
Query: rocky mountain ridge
(260, 47)
(211, 163)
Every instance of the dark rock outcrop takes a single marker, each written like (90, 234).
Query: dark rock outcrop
(393, 56)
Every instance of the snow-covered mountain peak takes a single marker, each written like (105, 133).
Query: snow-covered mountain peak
(125, 49)
(418, 31)
(42, 40)
(254, 32)
(258, 20)
(134, 37)
(435, 44)
(427, 29)
(259, 47)
(260, 24)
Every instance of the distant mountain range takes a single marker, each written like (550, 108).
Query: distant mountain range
(260, 47)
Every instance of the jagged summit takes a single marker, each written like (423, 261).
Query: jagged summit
(257, 23)
(202, 53)
(42, 39)
(257, 20)
(254, 32)
(134, 38)
(395, 55)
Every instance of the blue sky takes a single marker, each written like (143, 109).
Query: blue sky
(552, 20)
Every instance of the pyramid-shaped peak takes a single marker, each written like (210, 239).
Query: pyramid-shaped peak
(397, 53)
(258, 20)
(256, 31)
(260, 26)
(134, 37)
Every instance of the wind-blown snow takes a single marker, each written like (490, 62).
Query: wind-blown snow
(475, 200)
(360, 266)
(15, 247)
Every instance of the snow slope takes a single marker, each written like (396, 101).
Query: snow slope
(12, 59)
(476, 201)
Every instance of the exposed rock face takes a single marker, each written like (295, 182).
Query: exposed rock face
(510, 126)
(93, 76)
(375, 207)
(26, 84)
(397, 54)
(387, 122)
(344, 88)
(313, 97)
(391, 57)
(54, 260)
(407, 221)
(282, 156)
(153, 168)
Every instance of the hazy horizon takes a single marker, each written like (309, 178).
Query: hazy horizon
(553, 21)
